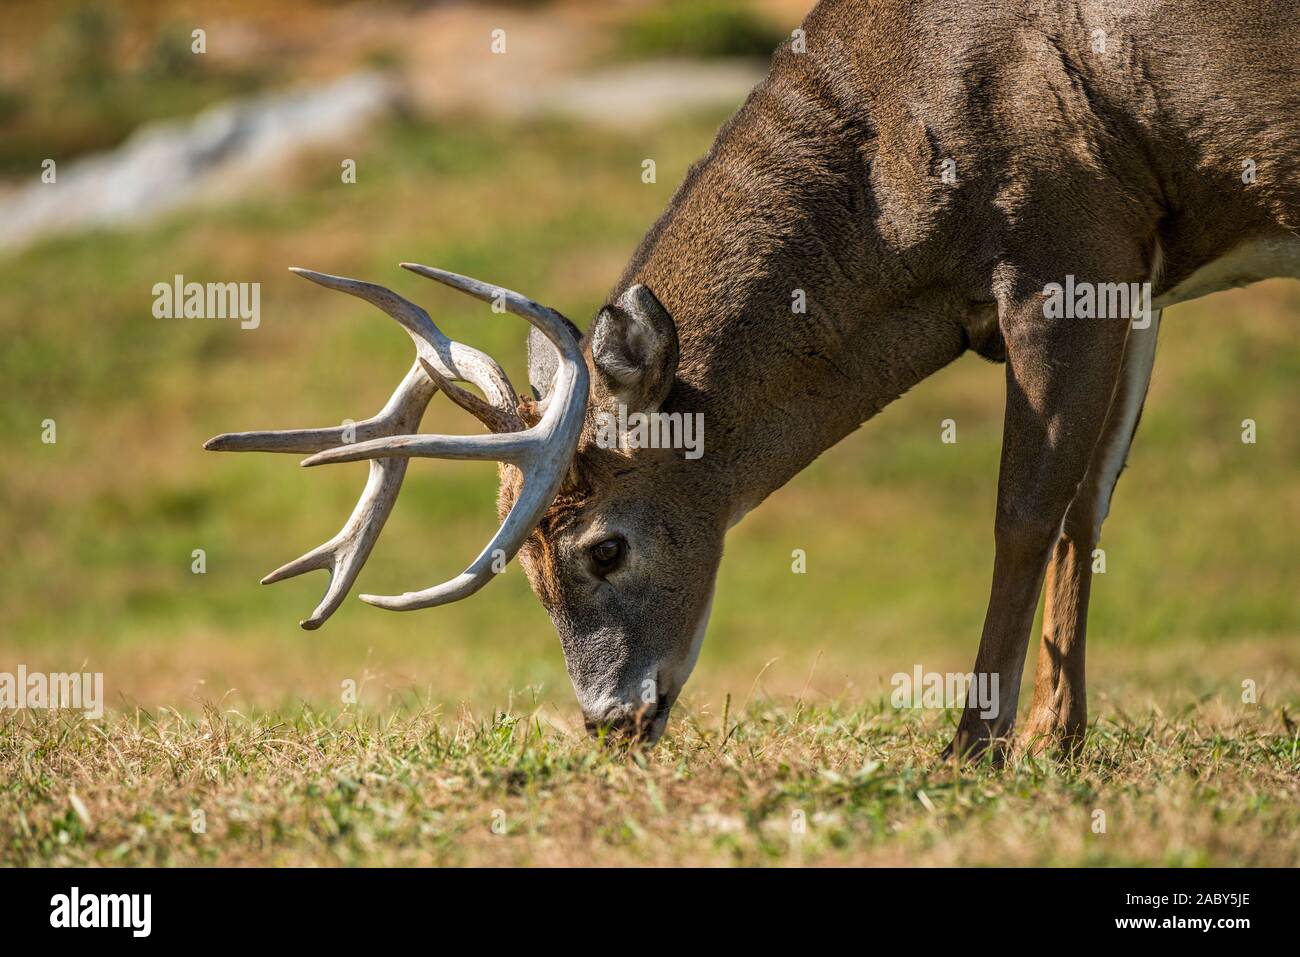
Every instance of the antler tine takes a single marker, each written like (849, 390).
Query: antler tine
(497, 420)
(542, 453)
(509, 447)
(552, 324)
(453, 360)
(410, 399)
(448, 359)
(534, 498)
(345, 554)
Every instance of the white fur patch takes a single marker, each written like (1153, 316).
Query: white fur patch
(1112, 450)
(1246, 263)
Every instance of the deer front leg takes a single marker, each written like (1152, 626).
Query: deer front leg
(1061, 373)
(1058, 716)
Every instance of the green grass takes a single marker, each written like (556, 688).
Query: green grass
(77, 92)
(96, 535)
(698, 29)
(825, 784)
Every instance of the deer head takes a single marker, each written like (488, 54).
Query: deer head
(621, 543)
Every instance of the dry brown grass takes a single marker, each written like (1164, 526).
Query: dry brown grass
(1212, 784)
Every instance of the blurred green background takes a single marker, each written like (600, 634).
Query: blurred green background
(98, 529)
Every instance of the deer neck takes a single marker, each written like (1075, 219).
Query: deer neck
(798, 318)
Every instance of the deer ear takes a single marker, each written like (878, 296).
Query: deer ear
(543, 360)
(634, 349)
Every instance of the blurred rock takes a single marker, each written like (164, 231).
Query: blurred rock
(169, 164)
(645, 93)
(234, 147)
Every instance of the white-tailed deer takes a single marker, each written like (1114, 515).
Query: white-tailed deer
(923, 179)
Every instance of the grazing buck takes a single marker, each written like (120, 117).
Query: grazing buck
(924, 178)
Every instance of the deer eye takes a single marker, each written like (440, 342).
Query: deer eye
(606, 555)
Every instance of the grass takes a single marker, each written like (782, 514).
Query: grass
(78, 91)
(699, 29)
(219, 702)
(800, 784)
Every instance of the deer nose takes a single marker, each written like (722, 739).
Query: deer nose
(622, 722)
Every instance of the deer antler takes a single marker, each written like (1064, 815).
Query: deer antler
(542, 452)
